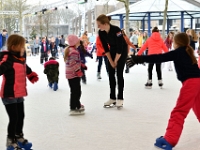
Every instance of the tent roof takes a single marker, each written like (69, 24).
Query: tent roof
(140, 10)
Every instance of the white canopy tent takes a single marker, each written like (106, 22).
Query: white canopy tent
(147, 10)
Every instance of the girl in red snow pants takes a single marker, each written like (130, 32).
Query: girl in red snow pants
(189, 98)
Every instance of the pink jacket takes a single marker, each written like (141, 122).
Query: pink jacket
(73, 63)
(154, 44)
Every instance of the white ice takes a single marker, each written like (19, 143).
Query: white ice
(143, 118)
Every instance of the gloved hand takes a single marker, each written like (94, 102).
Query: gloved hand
(132, 60)
(79, 73)
(83, 66)
(33, 77)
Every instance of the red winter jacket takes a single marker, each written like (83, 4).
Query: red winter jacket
(14, 70)
(154, 44)
(99, 46)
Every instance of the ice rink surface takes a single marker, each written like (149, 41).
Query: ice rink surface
(143, 118)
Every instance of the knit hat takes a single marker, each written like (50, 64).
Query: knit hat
(72, 40)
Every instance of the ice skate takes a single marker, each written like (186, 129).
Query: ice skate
(11, 144)
(76, 112)
(160, 84)
(50, 85)
(98, 75)
(119, 104)
(149, 84)
(55, 86)
(82, 108)
(23, 143)
(110, 103)
(163, 144)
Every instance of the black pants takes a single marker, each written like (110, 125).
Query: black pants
(75, 93)
(84, 80)
(100, 60)
(44, 56)
(120, 78)
(16, 119)
(53, 54)
(158, 70)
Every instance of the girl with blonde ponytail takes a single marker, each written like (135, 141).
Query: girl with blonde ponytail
(189, 98)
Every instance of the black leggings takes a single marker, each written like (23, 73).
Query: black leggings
(158, 70)
(120, 78)
(75, 93)
(16, 119)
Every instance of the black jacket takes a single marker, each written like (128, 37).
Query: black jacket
(114, 39)
(53, 47)
(182, 62)
(51, 69)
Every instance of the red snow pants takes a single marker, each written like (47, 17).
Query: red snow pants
(189, 98)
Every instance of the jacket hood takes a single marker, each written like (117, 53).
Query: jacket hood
(156, 36)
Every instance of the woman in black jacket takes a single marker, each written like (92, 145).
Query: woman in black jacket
(115, 49)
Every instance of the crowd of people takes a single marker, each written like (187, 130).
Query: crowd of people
(117, 50)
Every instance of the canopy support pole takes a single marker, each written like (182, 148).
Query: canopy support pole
(168, 26)
(143, 25)
(149, 24)
(121, 21)
(191, 23)
(182, 21)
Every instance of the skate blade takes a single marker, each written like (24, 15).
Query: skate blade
(148, 87)
(77, 113)
(109, 106)
(119, 107)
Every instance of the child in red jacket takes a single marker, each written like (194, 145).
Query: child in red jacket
(155, 45)
(14, 69)
(100, 56)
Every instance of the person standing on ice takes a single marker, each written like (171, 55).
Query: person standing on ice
(189, 97)
(155, 45)
(14, 69)
(73, 74)
(117, 53)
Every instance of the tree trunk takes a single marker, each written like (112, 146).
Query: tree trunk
(127, 16)
(164, 19)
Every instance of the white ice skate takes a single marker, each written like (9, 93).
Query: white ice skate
(160, 83)
(76, 112)
(110, 103)
(119, 103)
(149, 84)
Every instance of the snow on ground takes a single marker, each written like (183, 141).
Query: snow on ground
(135, 127)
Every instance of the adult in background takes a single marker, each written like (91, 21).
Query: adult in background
(168, 42)
(3, 38)
(134, 40)
(62, 44)
(193, 38)
(116, 53)
(155, 45)
(100, 57)
(36, 43)
(53, 47)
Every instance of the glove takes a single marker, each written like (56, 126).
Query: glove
(131, 61)
(83, 66)
(79, 73)
(33, 77)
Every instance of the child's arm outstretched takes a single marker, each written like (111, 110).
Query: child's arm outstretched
(157, 58)
(4, 64)
(32, 76)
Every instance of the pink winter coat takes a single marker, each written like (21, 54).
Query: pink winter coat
(154, 44)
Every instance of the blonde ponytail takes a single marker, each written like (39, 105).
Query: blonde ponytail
(66, 53)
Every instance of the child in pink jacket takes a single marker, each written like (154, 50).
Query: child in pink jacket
(74, 74)
(155, 45)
